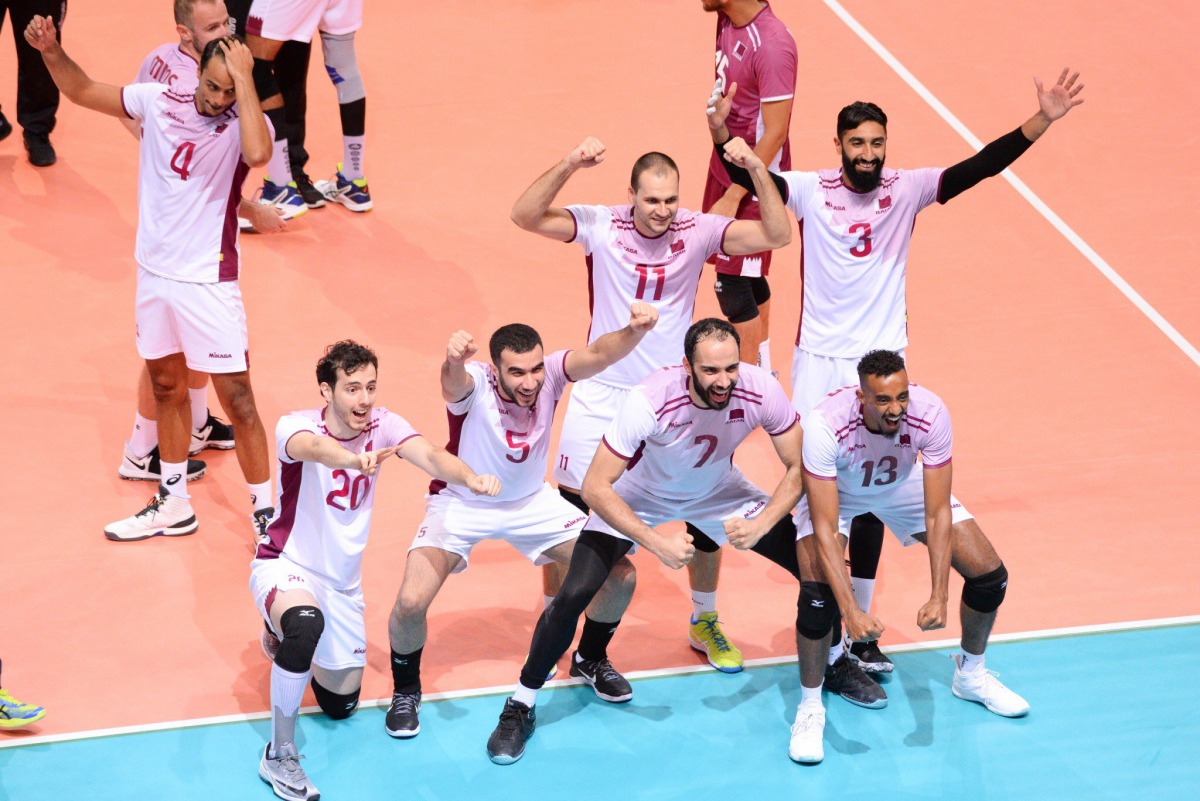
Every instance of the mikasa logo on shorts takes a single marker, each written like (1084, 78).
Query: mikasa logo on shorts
(220, 355)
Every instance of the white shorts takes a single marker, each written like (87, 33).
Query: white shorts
(590, 411)
(733, 497)
(532, 525)
(298, 20)
(343, 643)
(902, 509)
(204, 322)
(814, 377)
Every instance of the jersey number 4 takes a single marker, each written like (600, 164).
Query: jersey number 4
(353, 491)
(183, 159)
(647, 275)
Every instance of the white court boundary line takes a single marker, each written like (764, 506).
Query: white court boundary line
(506, 689)
(1024, 191)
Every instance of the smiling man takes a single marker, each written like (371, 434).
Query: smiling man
(194, 155)
(653, 251)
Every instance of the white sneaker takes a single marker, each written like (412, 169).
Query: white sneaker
(165, 515)
(285, 775)
(807, 745)
(982, 686)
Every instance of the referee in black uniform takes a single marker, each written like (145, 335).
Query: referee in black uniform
(37, 96)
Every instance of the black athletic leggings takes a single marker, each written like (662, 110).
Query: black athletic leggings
(594, 557)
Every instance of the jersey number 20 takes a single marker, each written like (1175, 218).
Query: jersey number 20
(354, 491)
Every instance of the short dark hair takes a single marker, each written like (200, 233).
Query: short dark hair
(346, 355)
(880, 363)
(703, 329)
(213, 50)
(517, 337)
(184, 9)
(856, 114)
(660, 163)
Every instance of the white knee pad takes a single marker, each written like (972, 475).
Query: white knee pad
(342, 66)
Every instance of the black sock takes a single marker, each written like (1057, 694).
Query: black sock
(593, 643)
(866, 543)
(406, 672)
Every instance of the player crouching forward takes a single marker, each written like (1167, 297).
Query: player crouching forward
(307, 573)
(501, 415)
(861, 449)
(668, 456)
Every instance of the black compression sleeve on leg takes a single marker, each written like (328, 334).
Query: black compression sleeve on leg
(278, 118)
(593, 642)
(576, 500)
(992, 160)
(406, 672)
(264, 80)
(354, 117)
(866, 543)
(701, 541)
(593, 559)
(779, 545)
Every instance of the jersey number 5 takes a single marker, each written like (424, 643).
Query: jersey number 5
(182, 159)
(523, 447)
(863, 248)
(353, 490)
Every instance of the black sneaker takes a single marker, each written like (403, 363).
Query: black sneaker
(260, 520)
(41, 152)
(507, 743)
(401, 720)
(311, 195)
(870, 658)
(149, 467)
(609, 685)
(848, 680)
(5, 127)
(215, 434)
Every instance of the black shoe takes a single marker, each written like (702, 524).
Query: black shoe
(41, 152)
(848, 680)
(402, 720)
(5, 127)
(507, 743)
(609, 685)
(149, 467)
(215, 434)
(260, 519)
(311, 195)
(870, 658)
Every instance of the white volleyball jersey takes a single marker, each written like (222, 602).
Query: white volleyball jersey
(190, 174)
(680, 451)
(837, 444)
(324, 515)
(624, 266)
(497, 436)
(171, 66)
(854, 257)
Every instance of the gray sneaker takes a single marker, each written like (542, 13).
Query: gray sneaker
(285, 775)
(848, 680)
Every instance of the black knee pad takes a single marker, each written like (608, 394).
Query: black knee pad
(302, 627)
(264, 79)
(335, 705)
(735, 295)
(576, 500)
(701, 541)
(815, 610)
(985, 593)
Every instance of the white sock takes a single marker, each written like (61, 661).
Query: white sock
(199, 399)
(810, 696)
(864, 591)
(352, 156)
(144, 436)
(524, 695)
(178, 471)
(546, 601)
(287, 690)
(970, 662)
(836, 651)
(702, 602)
(260, 495)
(764, 355)
(279, 169)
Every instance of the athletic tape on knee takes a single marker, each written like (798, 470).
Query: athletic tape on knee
(264, 79)
(342, 66)
(815, 610)
(302, 627)
(735, 296)
(985, 593)
(336, 705)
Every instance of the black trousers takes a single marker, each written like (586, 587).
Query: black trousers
(37, 96)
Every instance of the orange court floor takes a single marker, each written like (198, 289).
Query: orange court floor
(1076, 439)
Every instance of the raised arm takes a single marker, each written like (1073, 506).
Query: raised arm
(256, 137)
(775, 117)
(938, 521)
(675, 551)
(441, 464)
(533, 212)
(996, 156)
(743, 533)
(456, 381)
(68, 76)
(773, 230)
(718, 110)
(612, 347)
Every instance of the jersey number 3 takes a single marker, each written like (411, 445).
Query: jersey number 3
(863, 248)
